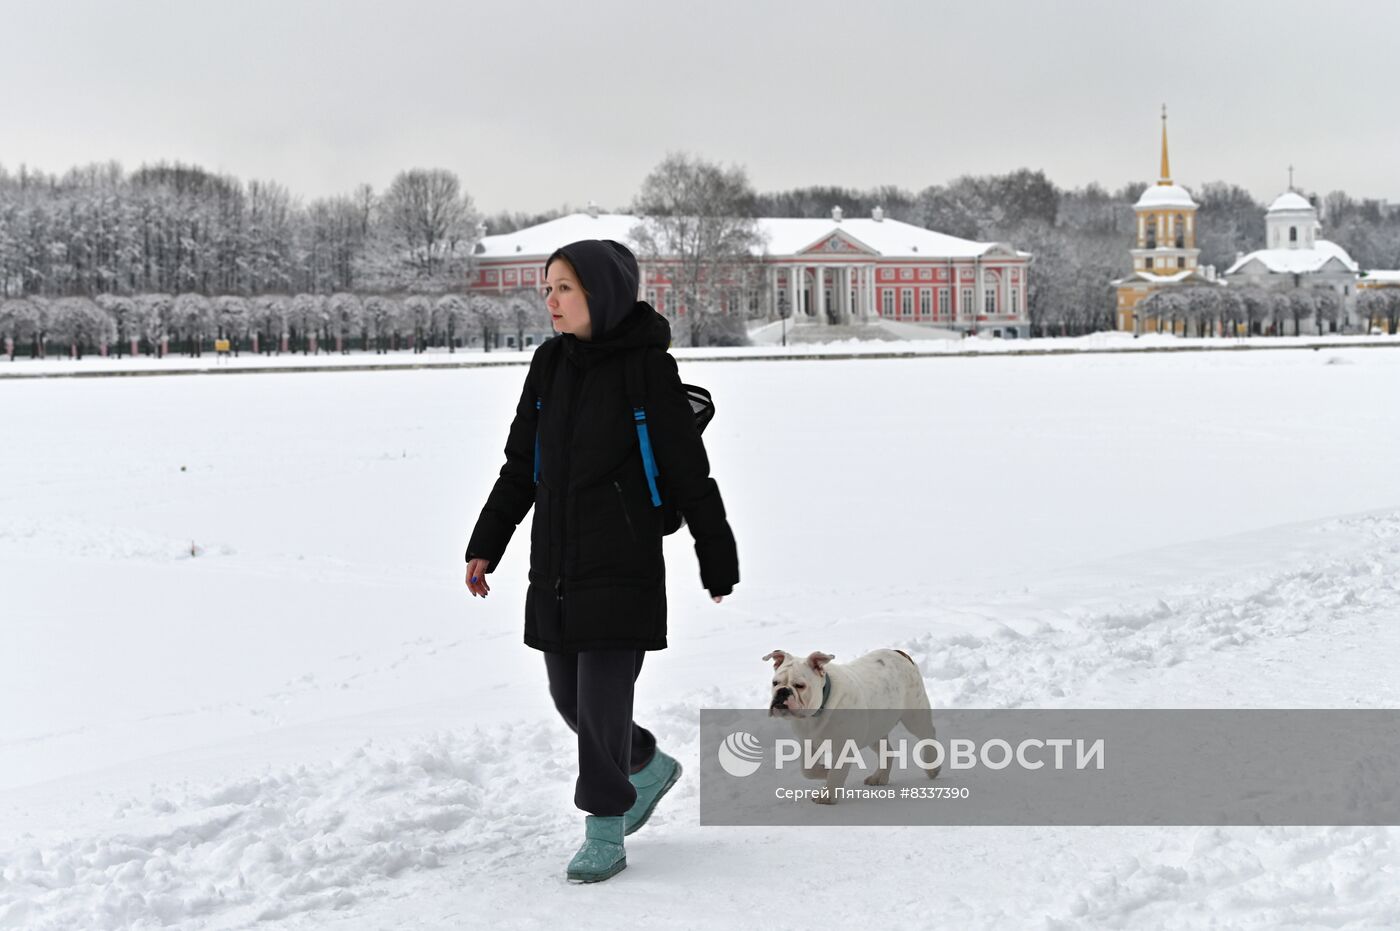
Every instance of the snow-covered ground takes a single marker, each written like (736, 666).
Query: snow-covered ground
(309, 724)
(899, 339)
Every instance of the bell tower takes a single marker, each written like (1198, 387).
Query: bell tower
(1164, 248)
(1166, 223)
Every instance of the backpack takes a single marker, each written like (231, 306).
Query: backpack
(701, 405)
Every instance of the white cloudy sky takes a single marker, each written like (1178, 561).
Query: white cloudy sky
(537, 104)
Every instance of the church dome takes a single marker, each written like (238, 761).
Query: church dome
(1165, 195)
(1290, 200)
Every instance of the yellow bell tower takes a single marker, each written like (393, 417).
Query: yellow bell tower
(1164, 250)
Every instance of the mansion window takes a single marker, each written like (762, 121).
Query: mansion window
(1293, 234)
(1181, 261)
(1015, 300)
(989, 301)
(889, 302)
(1151, 238)
(1180, 231)
(906, 302)
(942, 302)
(1149, 261)
(965, 305)
(925, 303)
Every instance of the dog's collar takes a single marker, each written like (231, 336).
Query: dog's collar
(826, 693)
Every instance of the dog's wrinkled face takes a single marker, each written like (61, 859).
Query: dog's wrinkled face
(797, 683)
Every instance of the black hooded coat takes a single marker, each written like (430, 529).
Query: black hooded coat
(597, 576)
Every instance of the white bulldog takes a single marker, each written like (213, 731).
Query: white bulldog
(886, 681)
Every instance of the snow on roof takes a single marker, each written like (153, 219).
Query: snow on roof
(1290, 200)
(1165, 195)
(785, 236)
(1297, 261)
(1382, 276)
(1173, 278)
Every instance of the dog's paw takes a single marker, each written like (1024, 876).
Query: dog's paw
(878, 778)
(825, 797)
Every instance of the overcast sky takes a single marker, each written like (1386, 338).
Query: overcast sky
(535, 105)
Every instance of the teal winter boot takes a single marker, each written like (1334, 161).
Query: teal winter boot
(654, 781)
(601, 855)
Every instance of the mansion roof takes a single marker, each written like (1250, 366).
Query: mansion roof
(782, 236)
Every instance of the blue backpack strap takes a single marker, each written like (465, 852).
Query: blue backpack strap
(636, 398)
(538, 404)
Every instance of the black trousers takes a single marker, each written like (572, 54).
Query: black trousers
(593, 691)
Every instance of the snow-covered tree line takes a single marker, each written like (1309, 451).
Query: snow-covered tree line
(98, 232)
(157, 324)
(1204, 311)
(174, 257)
(172, 229)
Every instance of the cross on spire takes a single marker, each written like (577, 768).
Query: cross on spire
(1290, 177)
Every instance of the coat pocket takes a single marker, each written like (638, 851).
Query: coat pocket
(616, 539)
(626, 515)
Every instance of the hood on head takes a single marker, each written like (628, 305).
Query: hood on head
(608, 272)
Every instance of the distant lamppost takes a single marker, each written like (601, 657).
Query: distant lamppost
(784, 310)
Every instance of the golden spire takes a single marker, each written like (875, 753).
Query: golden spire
(1166, 168)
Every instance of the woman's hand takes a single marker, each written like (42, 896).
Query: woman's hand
(717, 598)
(476, 577)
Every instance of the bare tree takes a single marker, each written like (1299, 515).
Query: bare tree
(489, 312)
(345, 314)
(270, 321)
(193, 317)
(308, 313)
(1327, 309)
(431, 219)
(1255, 307)
(79, 322)
(418, 314)
(523, 308)
(20, 320)
(449, 316)
(231, 319)
(380, 318)
(1301, 304)
(122, 310)
(698, 222)
(155, 316)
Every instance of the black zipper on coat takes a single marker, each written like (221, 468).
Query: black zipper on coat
(623, 501)
(564, 487)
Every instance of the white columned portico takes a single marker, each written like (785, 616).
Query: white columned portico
(819, 293)
(844, 280)
(979, 296)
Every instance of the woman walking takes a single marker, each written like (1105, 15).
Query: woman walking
(597, 595)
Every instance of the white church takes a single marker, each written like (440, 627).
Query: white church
(1295, 256)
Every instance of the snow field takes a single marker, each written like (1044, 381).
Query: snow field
(308, 724)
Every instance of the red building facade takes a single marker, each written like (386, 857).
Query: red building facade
(821, 271)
